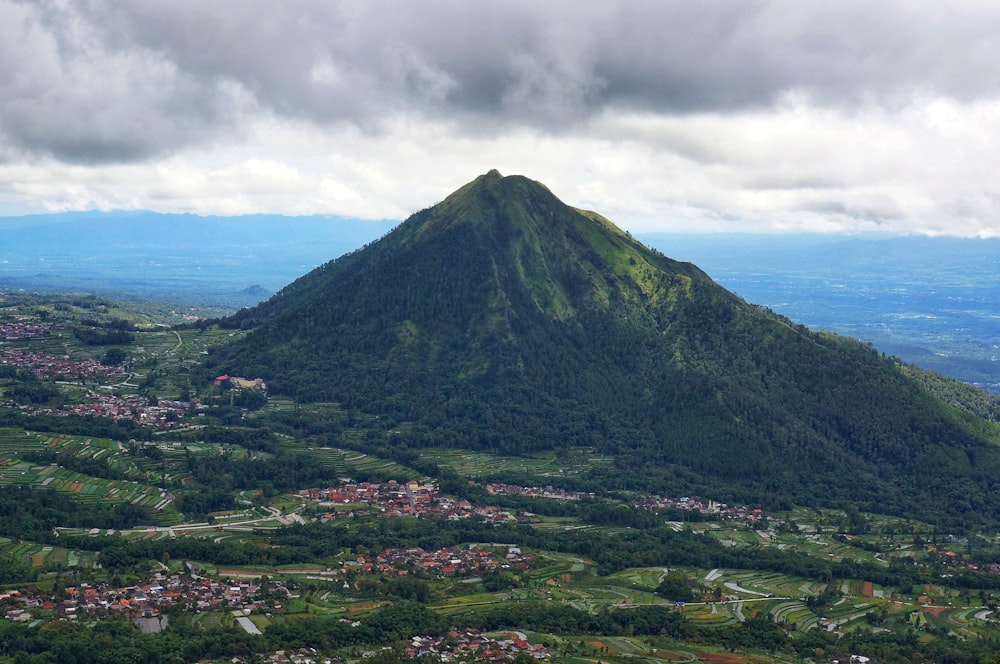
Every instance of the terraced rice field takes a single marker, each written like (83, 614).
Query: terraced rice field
(48, 557)
(793, 612)
(543, 465)
(712, 615)
(348, 463)
(14, 443)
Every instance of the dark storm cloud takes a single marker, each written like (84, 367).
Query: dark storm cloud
(101, 81)
(66, 93)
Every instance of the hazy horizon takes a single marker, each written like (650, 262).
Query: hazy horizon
(929, 300)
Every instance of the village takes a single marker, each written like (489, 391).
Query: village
(44, 365)
(700, 505)
(160, 414)
(148, 605)
(402, 499)
(468, 561)
(25, 327)
(423, 500)
(705, 506)
(460, 643)
(501, 489)
(146, 600)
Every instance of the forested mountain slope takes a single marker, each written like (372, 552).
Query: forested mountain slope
(503, 319)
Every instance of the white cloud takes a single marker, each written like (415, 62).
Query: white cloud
(671, 115)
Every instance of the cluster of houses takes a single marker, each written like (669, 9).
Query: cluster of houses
(461, 644)
(694, 503)
(422, 499)
(298, 656)
(376, 493)
(500, 489)
(225, 380)
(44, 365)
(702, 505)
(142, 601)
(471, 561)
(394, 498)
(651, 503)
(162, 415)
(23, 327)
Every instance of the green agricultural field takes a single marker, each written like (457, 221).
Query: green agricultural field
(348, 463)
(542, 465)
(459, 605)
(713, 614)
(126, 461)
(85, 488)
(43, 557)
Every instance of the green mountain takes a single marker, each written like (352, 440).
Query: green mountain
(503, 319)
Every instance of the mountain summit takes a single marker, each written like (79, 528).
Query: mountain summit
(503, 319)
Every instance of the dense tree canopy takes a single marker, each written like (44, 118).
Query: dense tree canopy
(503, 320)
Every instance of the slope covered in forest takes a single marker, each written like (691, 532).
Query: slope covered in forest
(503, 319)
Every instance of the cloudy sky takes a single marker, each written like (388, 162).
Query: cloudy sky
(663, 115)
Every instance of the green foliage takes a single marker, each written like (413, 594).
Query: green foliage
(503, 320)
(250, 399)
(117, 640)
(96, 337)
(407, 588)
(974, 401)
(676, 587)
(198, 504)
(12, 570)
(32, 513)
(496, 581)
(391, 623)
(83, 425)
(35, 392)
(114, 357)
(78, 464)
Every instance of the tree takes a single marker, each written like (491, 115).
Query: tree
(676, 587)
(114, 357)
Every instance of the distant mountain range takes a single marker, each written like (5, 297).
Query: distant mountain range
(502, 319)
(177, 257)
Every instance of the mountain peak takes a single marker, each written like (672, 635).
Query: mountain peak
(492, 203)
(485, 182)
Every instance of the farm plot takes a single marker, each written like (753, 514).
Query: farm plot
(846, 614)
(17, 472)
(794, 613)
(713, 614)
(542, 465)
(61, 344)
(786, 591)
(747, 585)
(159, 502)
(470, 603)
(549, 565)
(40, 556)
(977, 622)
(348, 463)
(15, 443)
(647, 577)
